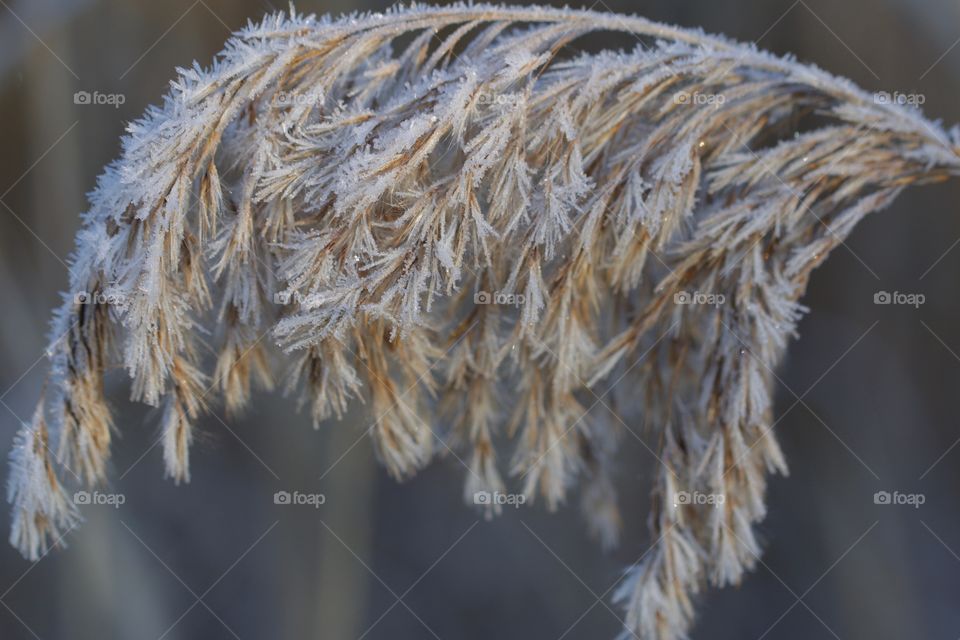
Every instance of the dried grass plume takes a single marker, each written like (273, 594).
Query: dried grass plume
(449, 213)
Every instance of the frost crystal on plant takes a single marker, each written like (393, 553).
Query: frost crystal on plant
(482, 237)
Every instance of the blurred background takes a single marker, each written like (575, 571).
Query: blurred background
(218, 559)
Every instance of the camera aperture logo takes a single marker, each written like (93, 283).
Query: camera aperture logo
(97, 98)
(497, 297)
(486, 498)
(298, 498)
(899, 298)
(896, 498)
(110, 499)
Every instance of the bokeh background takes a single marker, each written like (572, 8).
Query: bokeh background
(866, 400)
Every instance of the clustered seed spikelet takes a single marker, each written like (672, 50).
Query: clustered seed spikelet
(450, 214)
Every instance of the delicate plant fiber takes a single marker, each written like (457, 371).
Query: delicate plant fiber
(491, 240)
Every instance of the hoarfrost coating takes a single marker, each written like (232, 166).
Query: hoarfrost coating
(390, 186)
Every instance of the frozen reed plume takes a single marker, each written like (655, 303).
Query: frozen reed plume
(451, 214)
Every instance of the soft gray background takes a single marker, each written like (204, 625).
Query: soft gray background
(878, 387)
